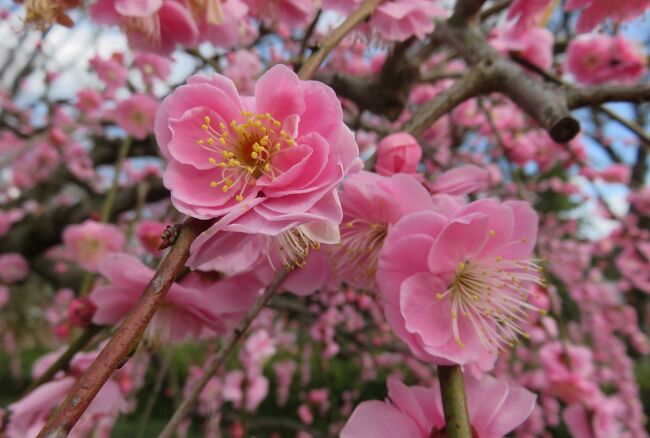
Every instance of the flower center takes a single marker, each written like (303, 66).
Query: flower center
(357, 255)
(244, 152)
(492, 293)
(293, 246)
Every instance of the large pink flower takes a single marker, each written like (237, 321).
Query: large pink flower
(455, 288)
(495, 408)
(269, 163)
(193, 307)
(150, 25)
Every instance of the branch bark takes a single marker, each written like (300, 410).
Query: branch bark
(125, 340)
(333, 39)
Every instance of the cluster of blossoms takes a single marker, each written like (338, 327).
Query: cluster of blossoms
(454, 246)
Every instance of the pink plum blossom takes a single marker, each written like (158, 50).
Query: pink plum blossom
(152, 66)
(372, 204)
(398, 153)
(13, 268)
(268, 164)
(443, 280)
(293, 13)
(149, 234)
(597, 58)
(150, 25)
(594, 12)
(192, 308)
(398, 20)
(219, 22)
(461, 180)
(495, 408)
(529, 13)
(136, 115)
(90, 241)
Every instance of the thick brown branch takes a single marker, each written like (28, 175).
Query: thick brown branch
(599, 94)
(126, 338)
(465, 11)
(471, 85)
(541, 101)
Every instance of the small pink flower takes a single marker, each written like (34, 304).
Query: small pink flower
(90, 241)
(444, 280)
(535, 44)
(594, 12)
(152, 66)
(150, 25)
(398, 20)
(89, 102)
(398, 153)
(111, 72)
(192, 308)
(294, 13)
(136, 115)
(257, 388)
(149, 234)
(495, 408)
(243, 67)
(13, 268)
(268, 164)
(641, 200)
(598, 58)
(81, 311)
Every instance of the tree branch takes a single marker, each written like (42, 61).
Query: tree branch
(333, 39)
(578, 97)
(454, 402)
(125, 340)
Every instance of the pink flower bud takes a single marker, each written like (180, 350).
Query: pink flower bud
(398, 153)
(81, 311)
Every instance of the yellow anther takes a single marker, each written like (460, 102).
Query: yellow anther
(239, 198)
(439, 296)
(222, 164)
(213, 183)
(227, 154)
(276, 123)
(267, 167)
(459, 342)
(461, 266)
(284, 133)
(257, 123)
(499, 258)
(492, 233)
(222, 126)
(212, 161)
(225, 188)
(234, 163)
(250, 169)
(256, 147)
(204, 127)
(200, 142)
(254, 155)
(267, 116)
(222, 140)
(246, 113)
(211, 141)
(278, 146)
(229, 182)
(290, 142)
(207, 120)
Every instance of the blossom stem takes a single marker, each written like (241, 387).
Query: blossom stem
(127, 336)
(215, 362)
(454, 402)
(333, 39)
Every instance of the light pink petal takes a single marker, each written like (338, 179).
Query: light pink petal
(379, 420)
(278, 92)
(423, 313)
(459, 241)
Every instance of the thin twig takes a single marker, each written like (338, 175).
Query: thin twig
(125, 340)
(333, 39)
(215, 363)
